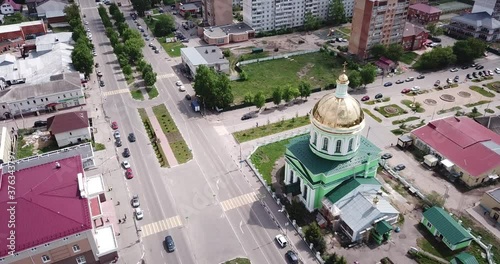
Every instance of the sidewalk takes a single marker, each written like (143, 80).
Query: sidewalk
(172, 161)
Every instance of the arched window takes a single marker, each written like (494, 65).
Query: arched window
(325, 144)
(338, 146)
(350, 144)
(315, 138)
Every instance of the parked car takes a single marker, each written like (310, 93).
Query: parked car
(497, 70)
(188, 97)
(157, 51)
(246, 116)
(178, 83)
(468, 76)
(131, 137)
(474, 65)
(399, 167)
(435, 39)
(114, 125)
(116, 134)
(409, 79)
(118, 142)
(97, 65)
(387, 84)
(399, 81)
(386, 156)
(99, 74)
(101, 83)
(448, 80)
(182, 89)
(40, 124)
(365, 98)
(465, 67)
(421, 76)
(474, 74)
(379, 96)
(281, 240)
(129, 174)
(405, 90)
(169, 244)
(456, 79)
(415, 88)
(125, 164)
(126, 153)
(437, 83)
(454, 70)
(139, 214)
(292, 257)
(135, 201)
(479, 67)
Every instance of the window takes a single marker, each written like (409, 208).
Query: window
(3, 106)
(28, 102)
(325, 144)
(46, 99)
(64, 95)
(291, 176)
(47, 244)
(429, 225)
(34, 101)
(305, 192)
(81, 260)
(76, 248)
(350, 144)
(45, 258)
(338, 146)
(315, 138)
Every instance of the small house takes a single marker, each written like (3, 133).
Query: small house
(464, 258)
(445, 228)
(70, 128)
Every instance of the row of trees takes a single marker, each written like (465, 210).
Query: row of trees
(127, 44)
(462, 52)
(393, 52)
(81, 56)
(287, 93)
(212, 87)
(362, 76)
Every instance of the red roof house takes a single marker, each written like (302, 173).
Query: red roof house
(414, 37)
(471, 149)
(48, 205)
(423, 14)
(69, 128)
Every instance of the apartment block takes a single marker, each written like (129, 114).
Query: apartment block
(267, 15)
(376, 22)
(492, 7)
(217, 12)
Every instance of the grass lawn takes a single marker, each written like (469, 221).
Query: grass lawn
(408, 103)
(173, 48)
(238, 261)
(23, 150)
(98, 146)
(486, 237)
(265, 157)
(319, 69)
(398, 131)
(478, 103)
(273, 128)
(391, 110)
(160, 155)
(179, 147)
(409, 57)
(489, 111)
(368, 112)
(408, 119)
(137, 94)
(152, 92)
(61, 29)
(482, 91)
(495, 86)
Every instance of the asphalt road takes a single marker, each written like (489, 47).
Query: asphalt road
(197, 194)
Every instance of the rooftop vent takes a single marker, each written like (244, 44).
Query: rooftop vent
(58, 165)
(57, 40)
(213, 50)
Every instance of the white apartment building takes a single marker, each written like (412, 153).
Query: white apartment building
(348, 7)
(266, 15)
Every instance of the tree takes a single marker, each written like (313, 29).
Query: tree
(150, 78)
(82, 58)
(287, 94)
(368, 74)
(341, 260)
(130, 34)
(434, 30)
(378, 50)
(336, 13)
(468, 50)
(141, 6)
(72, 12)
(187, 15)
(163, 25)
(332, 259)
(474, 110)
(304, 89)
(313, 235)
(248, 98)
(435, 199)
(133, 48)
(277, 96)
(78, 33)
(438, 58)
(394, 52)
(294, 92)
(311, 22)
(113, 10)
(127, 70)
(222, 90)
(214, 88)
(259, 100)
(243, 75)
(354, 79)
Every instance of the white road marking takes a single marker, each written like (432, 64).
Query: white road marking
(239, 201)
(241, 226)
(162, 225)
(120, 91)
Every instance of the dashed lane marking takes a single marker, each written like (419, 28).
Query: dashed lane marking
(162, 225)
(239, 201)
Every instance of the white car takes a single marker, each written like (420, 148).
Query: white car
(178, 83)
(117, 134)
(281, 240)
(415, 88)
(139, 214)
(125, 164)
(497, 70)
(453, 70)
(135, 201)
(86, 22)
(181, 88)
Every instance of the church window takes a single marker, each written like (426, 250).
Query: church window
(315, 138)
(350, 144)
(339, 145)
(325, 144)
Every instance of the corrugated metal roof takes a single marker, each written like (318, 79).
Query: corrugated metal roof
(383, 227)
(446, 225)
(348, 186)
(464, 258)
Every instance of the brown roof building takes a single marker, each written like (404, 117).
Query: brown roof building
(423, 14)
(414, 37)
(69, 128)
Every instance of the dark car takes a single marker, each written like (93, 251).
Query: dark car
(246, 116)
(126, 153)
(479, 67)
(386, 156)
(188, 97)
(465, 67)
(169, 244)
(292, 257)
(97, 65)
(40, 124)
(131, 137)
(387, 84)
(157, 51)
(101, 83)
(480, 73)
(379, 96)
(474, 74)
(118, 142)
(420, 76)
(399, 167)
(434, 39)
(469, 76)
(437, 83)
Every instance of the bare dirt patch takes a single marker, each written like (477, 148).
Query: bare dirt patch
(447, 98)
(303, 72)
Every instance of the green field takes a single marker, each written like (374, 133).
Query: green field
(319, 69)
(173, 48)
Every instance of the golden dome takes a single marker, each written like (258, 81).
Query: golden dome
(334, 113)
(343, 79)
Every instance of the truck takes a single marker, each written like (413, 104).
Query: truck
(195, 105)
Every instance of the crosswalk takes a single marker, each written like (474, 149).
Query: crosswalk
(162, 225)
(165, 76)
(239, 201)
(115, 92)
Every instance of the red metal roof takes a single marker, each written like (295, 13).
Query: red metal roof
(460, 139)
(94, 207)
(68, 122)
(48, 206)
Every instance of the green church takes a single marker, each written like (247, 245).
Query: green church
(333, 168)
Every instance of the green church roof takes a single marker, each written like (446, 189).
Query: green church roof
(464, 258)
(348, 186)
(383, 227)
(446, 225)
(299, 148)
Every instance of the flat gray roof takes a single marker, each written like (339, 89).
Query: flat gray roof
(204, 55)
(59, 83)
(217, 32)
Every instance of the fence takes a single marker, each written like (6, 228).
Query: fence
(256, 172)
(277, 57)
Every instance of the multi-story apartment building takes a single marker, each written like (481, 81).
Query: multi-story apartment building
(492, 7)
(217, 12)
(266, 15)
(376, 22)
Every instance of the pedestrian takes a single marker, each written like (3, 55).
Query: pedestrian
(125, 216)
(117, 234)
(119, 221)
(110, 189)
(109, 139)
(118, 203)
(96, 108)
(107, 220)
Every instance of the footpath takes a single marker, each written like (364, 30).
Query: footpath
(162, 138)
